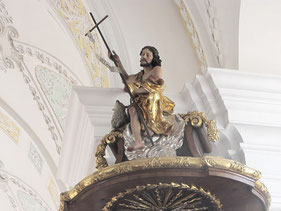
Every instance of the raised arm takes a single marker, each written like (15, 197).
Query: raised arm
(115, 58)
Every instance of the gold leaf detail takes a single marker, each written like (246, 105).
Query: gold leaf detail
(196, 119)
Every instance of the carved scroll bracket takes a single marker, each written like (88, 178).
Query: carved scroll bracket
(197, 119)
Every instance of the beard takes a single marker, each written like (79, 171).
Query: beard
(146, 64)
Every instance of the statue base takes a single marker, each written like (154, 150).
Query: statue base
(164, 146)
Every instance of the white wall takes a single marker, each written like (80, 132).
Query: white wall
(259, 36)
(158, 24)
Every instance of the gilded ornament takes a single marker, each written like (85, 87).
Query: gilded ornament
(78, 21)
(264, 190)
(107, 139)
(203, 163)
(196, 119)
(165, 196)
(11, 184)
(9, 127)
(185, 14)
(232, 165)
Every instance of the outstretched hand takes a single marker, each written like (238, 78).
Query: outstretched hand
(114, 57)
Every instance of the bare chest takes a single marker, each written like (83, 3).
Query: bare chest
(147, 75)
(139, 77)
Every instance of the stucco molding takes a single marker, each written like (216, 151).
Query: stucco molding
(247, 111)
(88, 120)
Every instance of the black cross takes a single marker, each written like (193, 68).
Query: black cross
(140, 115)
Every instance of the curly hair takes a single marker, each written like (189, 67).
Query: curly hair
(156, 58)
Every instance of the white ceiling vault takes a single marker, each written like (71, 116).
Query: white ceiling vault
(43, 53)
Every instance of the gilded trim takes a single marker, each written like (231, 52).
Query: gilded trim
(191, 28)
(196, 119)
(264, 190)
(184, 193)
(159, 163)
(10, 127)
(107, 139)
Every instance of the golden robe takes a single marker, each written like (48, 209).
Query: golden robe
(156, 108)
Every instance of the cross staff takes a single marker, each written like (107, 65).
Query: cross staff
(96, 24)
(140, 115)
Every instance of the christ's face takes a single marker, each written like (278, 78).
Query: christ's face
(146, 58)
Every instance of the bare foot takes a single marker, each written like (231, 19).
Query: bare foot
(136, 146)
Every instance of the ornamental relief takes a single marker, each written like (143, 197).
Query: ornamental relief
(9, 127)
(28, 202)
(50, 82)
(35, 157)
(53, 103)
(20, 195)
(185, 14)
(5, 18)
(54, 79)
(8, 52)
(52, 62)
(56, 89)
(78, 21)
(163, 196)
(11, 58)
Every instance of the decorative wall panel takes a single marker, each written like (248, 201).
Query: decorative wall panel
(56, 89)
(28, 203)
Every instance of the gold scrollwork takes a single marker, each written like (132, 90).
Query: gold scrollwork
(196, 119)
(165, 196)
(264, 190)
(161, 163)
(107, 139)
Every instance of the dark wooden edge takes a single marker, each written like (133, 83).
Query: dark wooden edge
(118, 150)
(261, 196)
(205, 143)
(194, 149)
(189, 172)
